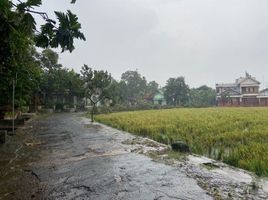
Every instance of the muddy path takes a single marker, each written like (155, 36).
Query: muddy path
(64, 156)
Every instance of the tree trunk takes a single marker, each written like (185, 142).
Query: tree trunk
(92, 112)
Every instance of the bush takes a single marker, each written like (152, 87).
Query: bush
(180, 146)
(24, 109)
(127, 107)
(49, 105)
(59, 106)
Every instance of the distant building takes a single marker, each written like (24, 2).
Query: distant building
(263, 97)
(244, 92)
(159, 99)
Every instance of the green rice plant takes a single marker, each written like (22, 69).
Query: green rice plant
(238, 136)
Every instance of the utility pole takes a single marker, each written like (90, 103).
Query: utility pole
(13, 105)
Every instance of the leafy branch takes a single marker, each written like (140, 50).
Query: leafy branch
(50, 35)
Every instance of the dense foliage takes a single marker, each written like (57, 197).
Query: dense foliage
(57, 82)
(237, 136)
(176, 91)
(134, 85)
(19, 36)
(203, 96)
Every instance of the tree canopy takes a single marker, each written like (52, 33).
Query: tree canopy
(203, 96)
(151, 90)
(176, 91)
(135, 86)
(57, 81)
(19, 35)
(97, 85)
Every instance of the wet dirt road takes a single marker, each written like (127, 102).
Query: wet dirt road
(81, 160)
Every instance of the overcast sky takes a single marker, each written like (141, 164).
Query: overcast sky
(206, 41)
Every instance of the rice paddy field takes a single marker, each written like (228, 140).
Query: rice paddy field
(236, 136)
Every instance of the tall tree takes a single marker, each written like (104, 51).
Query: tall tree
(18, 35)
(176, 91)
(49, 60)
(26, 76)
(97, 86)
(135, 86)
(57, 81)
(117, 92)
(75, 84)
(18, 30)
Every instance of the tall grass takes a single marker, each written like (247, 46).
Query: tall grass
(237, 136)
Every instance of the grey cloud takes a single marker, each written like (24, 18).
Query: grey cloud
(206, 41)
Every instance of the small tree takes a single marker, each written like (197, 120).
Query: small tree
(97, 85)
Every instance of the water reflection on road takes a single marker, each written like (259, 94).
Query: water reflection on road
(89, 161)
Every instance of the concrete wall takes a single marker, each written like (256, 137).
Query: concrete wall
(246, 101)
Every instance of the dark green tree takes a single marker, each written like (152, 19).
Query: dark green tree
(26, 75)
(74, 83)
(19, 34)
(57, 81)
(49, 60)
(135, 86)
(97, 86)
(203, 96)
(117, 92)
(176, 91)
(63, 36)
(18, 30)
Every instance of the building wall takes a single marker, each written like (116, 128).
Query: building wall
(235, 101)
(250, 101)
(263, 101)
(246, 101)
(250, 90)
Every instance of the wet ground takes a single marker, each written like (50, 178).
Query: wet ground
(64, 156)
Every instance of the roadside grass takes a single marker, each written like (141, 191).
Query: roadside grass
(236, 136)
